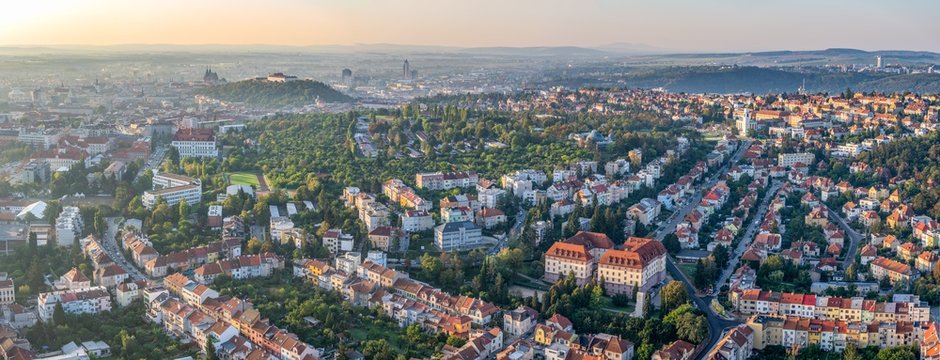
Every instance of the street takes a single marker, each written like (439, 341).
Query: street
(514, 232)
(716, 324)
(854, 238)
(748, 237)
(111, 245)
(154, 161)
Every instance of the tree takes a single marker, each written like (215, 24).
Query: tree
(52, 211)
(671, 242)
(254, 246)
(851, 274)
(672, 295)
(58, 314)
(211, 350)
(897, 353)
(100, 225)
(645, 351)
(33, 243)
(721, 255)
(597, 296)
(456, 341)
(850, 353)
(936, 272)
(184, 209)
(173, 155)
(692, 328)
(431, 266)
(377, 350)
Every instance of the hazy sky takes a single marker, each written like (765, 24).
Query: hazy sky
(680, 25)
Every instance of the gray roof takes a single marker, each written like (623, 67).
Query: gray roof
(456, 226)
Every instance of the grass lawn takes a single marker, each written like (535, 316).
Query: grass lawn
(521, 281)
(688, 269)
(361, 335)
(243, 178)
(629, 308)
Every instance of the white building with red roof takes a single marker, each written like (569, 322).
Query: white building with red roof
(195, 143)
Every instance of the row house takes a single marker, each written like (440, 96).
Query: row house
(374, 214)
(242, 267)
(416, 221)
(93, 250)
(467, 201)
(928, 232)
(72, 280)
(597, 346)
(561, 208)
(336, 241)
(411, 200)
(757, 302)
(128, 292)
(110, 276)
(645, 211)
(482, 344)
(191, 258)
(488, 198)
(894, 271)
(737, 344)
(446, 181)
(141, 249)
(833, 335)
(426, 299)
(91, 300)
(388, 238)
(200, 315)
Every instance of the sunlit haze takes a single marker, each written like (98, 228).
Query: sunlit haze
(679, 25)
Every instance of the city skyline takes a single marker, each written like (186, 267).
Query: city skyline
(680, 26)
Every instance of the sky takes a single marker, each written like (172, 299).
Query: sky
(673, 25)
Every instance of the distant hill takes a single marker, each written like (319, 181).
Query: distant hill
(918, 83)
(271, 94)
(758, 80)
(544, 51)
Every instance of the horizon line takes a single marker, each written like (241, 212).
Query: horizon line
(650, 49)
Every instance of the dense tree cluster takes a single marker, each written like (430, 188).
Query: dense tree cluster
(128, 331)
(272, 94)
(587, 309)
(290, 301)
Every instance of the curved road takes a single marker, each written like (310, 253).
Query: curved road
(716, 324)
(854, 238)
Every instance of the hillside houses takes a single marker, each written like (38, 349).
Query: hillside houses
(195, 313)
(242, 267)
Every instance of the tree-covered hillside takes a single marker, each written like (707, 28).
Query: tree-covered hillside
(752, 79)
(272, 94)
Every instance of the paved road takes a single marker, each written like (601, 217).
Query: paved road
(716, 324)
(514, 232)
(854, 238)
(748, 235)
(156, 158)
(110, 245)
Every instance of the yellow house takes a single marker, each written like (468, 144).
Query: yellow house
(544, 335)
(316, 267)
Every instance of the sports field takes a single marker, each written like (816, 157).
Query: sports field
(244, 178)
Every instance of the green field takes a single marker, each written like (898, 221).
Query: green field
(243, 178)
(688, 269)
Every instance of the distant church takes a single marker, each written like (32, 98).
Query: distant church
(211, 77)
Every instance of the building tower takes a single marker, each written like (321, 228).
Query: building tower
(406, 70)
(744, 123)
(878, 62)
(347, 77)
